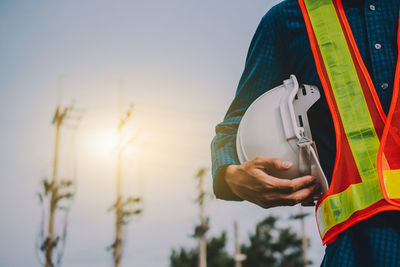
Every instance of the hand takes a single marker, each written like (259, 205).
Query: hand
(250, 181)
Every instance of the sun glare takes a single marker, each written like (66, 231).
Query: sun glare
(104, 141)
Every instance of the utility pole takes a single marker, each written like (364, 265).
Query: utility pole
(200, 230)
(118, 209)
(55, 190)
(304, 244)
(123, 209)
(57, 121)
(238, 257)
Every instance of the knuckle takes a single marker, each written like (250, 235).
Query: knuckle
(276, 162)
(257, 159)
(292, 187)
(269, 183)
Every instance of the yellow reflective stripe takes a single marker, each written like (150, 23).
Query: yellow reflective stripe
(354, 113)
(346, 87)
(392, 183)
(338, 208)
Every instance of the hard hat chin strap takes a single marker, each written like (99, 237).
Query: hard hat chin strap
(305, 145)
(309, 162)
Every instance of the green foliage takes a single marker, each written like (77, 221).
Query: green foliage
(269, 246)
(216, 255)
(272, 246)
(184, 258)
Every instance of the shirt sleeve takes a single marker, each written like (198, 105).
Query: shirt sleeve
(264, 69)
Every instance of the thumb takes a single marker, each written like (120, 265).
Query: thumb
(280, 165)
(272, 164)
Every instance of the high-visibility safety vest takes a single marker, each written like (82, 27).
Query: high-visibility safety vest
(366, 176)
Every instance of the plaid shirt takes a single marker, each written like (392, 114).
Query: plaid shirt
(280, 47)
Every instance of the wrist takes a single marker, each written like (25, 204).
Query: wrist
(230, 173)
(222, 189)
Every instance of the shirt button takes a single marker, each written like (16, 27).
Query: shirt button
(384, 86)
(378, 46)
(372, 7)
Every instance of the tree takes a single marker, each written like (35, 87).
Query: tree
(270, 246)
(216, 254)
(273, 246)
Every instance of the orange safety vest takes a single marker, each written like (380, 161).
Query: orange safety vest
(366, 176)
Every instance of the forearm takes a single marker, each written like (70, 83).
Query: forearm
(223, 154)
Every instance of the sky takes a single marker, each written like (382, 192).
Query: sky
(178, 62)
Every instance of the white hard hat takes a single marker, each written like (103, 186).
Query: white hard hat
(276, 126)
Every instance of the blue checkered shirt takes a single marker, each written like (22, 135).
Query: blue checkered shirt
(280, 47)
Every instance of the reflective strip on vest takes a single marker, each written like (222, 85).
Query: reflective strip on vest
(354, 114)
(392, 183)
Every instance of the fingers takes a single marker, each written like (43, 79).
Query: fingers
(252, 183)
(303, 195)
(273, 164)
(273, 199)
(291, 186)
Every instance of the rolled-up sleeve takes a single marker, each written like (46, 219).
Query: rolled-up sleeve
(264, 69)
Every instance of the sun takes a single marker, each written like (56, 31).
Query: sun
(101, 142)
(105, 141)
(99, 139)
